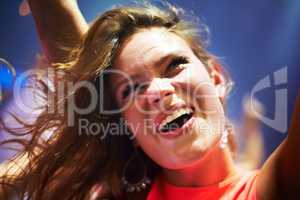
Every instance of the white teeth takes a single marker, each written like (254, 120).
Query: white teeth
(175, 115)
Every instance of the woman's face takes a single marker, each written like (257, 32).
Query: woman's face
(167, 98)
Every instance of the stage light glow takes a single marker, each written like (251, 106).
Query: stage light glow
(7, 74)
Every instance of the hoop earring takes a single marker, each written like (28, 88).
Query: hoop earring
(224, 139)
(136, 185)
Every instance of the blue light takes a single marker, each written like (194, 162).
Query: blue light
(6, 75)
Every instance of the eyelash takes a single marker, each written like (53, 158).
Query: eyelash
(128, 89)
(175, 62)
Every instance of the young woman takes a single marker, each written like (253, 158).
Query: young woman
(165, 93)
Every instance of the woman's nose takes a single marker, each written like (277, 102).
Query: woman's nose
(159, 92)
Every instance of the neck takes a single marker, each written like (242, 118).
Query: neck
(215, 167)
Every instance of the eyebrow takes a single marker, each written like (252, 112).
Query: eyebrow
(158, 62)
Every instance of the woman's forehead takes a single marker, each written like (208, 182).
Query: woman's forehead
(142, 54)
(148, 47)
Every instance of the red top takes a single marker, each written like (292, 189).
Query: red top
(239, 187)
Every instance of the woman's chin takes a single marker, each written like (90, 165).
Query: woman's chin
(189, 156)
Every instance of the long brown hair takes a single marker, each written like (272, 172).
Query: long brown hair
(69, 164)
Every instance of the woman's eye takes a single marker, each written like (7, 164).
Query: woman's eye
(129, 89)
(176, 62)
(126, 92)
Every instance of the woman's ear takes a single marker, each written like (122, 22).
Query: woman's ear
(217, 78)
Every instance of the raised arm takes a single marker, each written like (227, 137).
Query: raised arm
(280, 176)
(60, 25)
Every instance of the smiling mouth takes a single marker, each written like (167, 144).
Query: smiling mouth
(176, 123)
